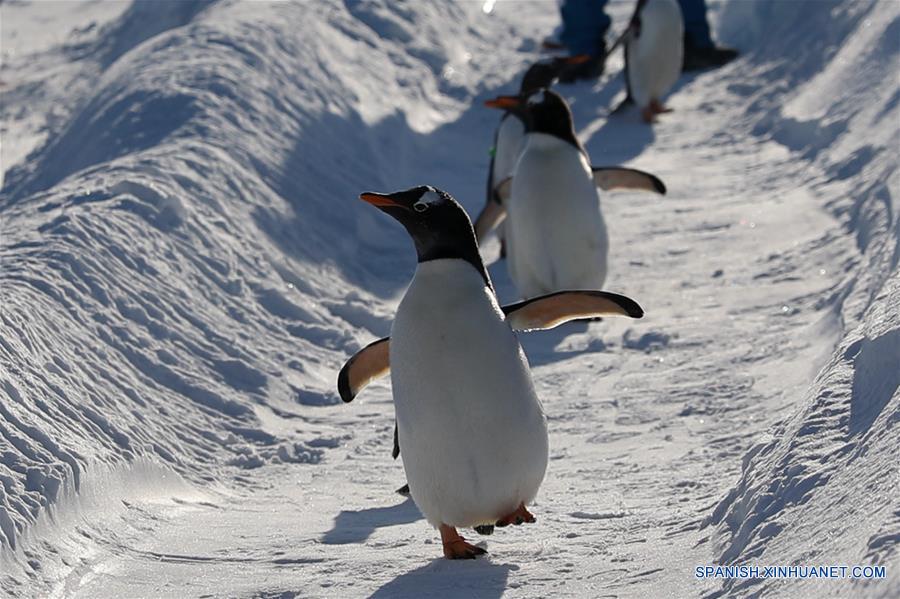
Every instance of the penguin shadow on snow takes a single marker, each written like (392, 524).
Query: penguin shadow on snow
(590, 101)
(445, 578)
(356, 526)
(540, 346)
(438, 578)
(543, 347)
(624, 136)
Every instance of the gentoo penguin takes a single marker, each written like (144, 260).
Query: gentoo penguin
(654, 49)
(473, 431)
(556, 237)
(508, 140)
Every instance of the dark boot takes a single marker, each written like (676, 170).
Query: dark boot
(710, 57)
(589, 69)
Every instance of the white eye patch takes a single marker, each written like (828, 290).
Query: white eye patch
(428, 199)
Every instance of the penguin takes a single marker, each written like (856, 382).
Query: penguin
(556, 235)
(508, 140)
(654, 50)
(473, 431)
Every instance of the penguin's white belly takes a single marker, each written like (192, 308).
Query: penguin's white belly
(655, 57)
(473, 435)
(556, 237)
(510, 136)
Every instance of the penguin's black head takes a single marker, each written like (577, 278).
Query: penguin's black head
(438, 225)
(549, 113)
(543, 112)
(538, 76)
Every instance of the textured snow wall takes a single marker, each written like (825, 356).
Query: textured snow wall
(826, 486)
(180, 258)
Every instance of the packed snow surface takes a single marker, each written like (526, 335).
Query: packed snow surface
(184, 267)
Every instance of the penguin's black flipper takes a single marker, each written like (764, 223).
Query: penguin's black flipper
(632, 32)
(490, 180)
(635, 23)
(618, 177)
(396, 451)
(366, 365)
(549, 311)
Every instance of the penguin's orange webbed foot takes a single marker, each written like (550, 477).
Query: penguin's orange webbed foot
(520, 516)
(456, 547)
(648, 115)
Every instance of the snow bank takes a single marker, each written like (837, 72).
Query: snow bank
(182, 260)
(185, 266)
(823, 488)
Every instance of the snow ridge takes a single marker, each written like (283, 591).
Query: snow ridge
(795, 486)
(167, 280)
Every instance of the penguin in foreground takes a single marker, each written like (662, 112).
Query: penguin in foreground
(654, 51)
(508, 139)
(473, 431)
(556, 236)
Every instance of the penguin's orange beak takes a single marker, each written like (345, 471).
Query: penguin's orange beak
(503, 102)
(380, 200)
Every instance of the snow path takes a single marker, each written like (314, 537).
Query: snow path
(215, 274)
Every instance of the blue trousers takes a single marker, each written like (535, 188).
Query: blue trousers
(585, 23)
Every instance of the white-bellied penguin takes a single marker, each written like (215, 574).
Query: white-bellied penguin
(472, 430)
(556, 236)
(654, 50)
(508, 141)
